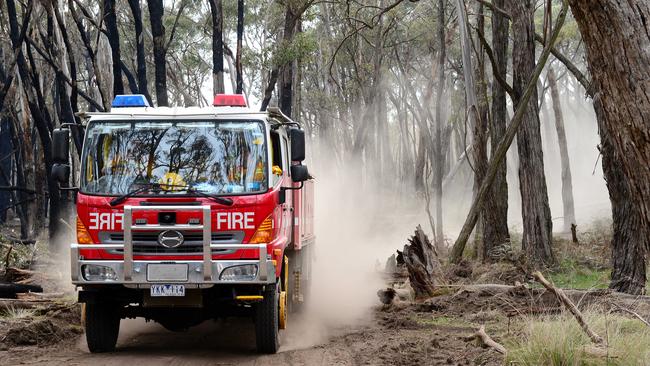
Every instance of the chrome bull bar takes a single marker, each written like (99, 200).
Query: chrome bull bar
(206, 267)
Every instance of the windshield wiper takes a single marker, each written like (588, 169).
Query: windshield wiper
(218, 199)
(124, 197)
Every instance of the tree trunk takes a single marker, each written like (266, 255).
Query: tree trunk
(6, 167)
(287, 70)
(437, 149)
(536, 213)
(289, 26)
(479, 150)
(156, 10)
(495, 213)
(239, 88)
(567, 184)
(629, 241)
(38, 110)
(216, 9)
(114, 40)
(141, 61)
(618, 63)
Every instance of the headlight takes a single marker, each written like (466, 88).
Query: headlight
(93, 272)
(246, 272)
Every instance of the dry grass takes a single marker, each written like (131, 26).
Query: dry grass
(16, 313)
(559, 341)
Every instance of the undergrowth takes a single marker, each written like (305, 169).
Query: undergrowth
(559, 341)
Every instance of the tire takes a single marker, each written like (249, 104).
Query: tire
(266, 322)
(102, 327)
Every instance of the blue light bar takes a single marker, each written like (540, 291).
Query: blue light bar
(132, 100)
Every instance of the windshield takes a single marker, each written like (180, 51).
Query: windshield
(217, 157)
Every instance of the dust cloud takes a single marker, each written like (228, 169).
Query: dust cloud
(357, 228)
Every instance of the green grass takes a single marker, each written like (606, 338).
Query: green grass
(570, 274)
(559, 341)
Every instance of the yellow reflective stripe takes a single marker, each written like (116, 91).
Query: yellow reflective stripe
(249, 297)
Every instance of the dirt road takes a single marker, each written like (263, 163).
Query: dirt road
(386, 338)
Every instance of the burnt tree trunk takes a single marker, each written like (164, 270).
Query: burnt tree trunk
(618, 62)
(156, 10)
(287, 70)
(567, 182)
(6, 166)
(239, 87)
(536, 213)
(216, 10)
(42, 120)
(422, 263)
(141, 61)
(495, 213)
(291, 18)
(114, 40)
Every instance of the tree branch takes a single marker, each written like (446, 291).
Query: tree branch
(582, 79)
(173, 31)
(495, 69)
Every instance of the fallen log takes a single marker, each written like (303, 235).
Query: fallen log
(595, 338)
(9, 290)
(13, 304)
(18, 275)
(486, 340)
(39, 296)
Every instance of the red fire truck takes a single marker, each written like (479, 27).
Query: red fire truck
(189, 214)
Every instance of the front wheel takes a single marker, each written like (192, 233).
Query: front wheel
(102, 323)
(266, 322)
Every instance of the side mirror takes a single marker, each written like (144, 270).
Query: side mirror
(60, 145)
(60, 173)
(299, 173)
(297, 138)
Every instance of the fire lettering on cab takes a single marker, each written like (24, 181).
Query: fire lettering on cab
(105, 220)
(235, 220)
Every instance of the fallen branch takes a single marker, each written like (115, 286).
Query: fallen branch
(486, 341)
(619, 307)
(40, 296)
(595, 338)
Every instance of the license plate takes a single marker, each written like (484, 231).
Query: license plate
(167, 290)
(167, 272)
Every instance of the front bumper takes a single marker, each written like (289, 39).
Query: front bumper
(201, 273)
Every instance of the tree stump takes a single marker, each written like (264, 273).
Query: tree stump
(422, 263)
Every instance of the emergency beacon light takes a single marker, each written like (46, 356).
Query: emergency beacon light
(229, 100)
(132, 100)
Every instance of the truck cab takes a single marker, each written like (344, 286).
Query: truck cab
(189, 214)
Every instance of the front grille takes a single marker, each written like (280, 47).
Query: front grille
(146, 243)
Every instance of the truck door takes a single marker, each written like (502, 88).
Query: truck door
(287, 207)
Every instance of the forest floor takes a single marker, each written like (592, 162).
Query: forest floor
(526, 319)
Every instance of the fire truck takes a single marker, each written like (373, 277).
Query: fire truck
(188, 214)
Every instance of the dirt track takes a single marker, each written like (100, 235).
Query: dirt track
(390, 338)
